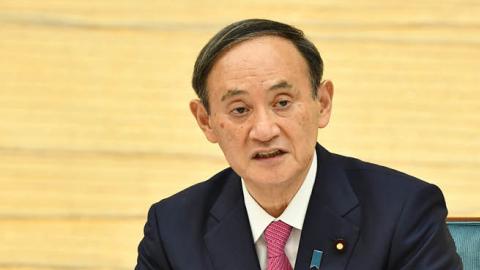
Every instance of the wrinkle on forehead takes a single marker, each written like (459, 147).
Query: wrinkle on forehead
(257, 63)
(281, 85)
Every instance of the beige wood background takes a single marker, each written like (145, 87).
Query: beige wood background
(95, 127)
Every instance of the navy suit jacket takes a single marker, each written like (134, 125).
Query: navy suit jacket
(387, 219)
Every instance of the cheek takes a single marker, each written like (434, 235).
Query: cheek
(229, 133)
(305, 121)
(302, 115)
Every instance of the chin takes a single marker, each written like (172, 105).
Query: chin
(268, 178)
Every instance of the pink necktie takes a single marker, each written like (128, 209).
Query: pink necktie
(276, 236)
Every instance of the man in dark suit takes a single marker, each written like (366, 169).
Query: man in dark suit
(286, 202)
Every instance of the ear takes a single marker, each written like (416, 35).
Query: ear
(203, 119)
(325, 96)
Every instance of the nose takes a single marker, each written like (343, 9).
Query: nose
(264, 127)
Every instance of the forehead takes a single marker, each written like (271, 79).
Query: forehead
(258, 60)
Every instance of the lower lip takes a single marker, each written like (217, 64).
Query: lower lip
(270, 160)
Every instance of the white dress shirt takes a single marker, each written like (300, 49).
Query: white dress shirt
(293, 215)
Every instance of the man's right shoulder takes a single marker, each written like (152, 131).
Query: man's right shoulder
(198, 198)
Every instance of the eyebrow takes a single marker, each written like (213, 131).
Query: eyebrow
(235, 92)
(280, 85)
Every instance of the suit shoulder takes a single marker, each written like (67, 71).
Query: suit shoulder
(378, 175)
(385, 194)
(380, 188)
(196, 199)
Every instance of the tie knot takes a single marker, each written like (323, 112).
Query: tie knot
(276, 236)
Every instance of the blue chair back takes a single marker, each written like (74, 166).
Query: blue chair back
(466, 235)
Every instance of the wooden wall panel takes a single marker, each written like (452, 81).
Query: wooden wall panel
(94, 185)
(69, 244)
(95, 127)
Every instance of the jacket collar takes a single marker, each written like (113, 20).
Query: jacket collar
(229, 238)
(333, 215)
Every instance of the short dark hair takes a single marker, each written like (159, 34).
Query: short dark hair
(246, 30)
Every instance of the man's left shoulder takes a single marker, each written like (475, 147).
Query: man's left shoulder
(385, 189)
(371, 174)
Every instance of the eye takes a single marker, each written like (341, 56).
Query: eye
(239, 111)
(282, 104)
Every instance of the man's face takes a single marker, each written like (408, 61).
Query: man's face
(262, 113)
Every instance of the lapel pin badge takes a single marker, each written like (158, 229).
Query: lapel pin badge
(340, 245)
(316, 259)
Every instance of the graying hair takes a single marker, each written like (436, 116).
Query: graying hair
(246, 30)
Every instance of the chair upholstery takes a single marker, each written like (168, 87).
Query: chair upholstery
(466, 234)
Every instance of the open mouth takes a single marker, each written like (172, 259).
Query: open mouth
(268, 154)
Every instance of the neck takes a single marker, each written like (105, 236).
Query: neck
(274, 198)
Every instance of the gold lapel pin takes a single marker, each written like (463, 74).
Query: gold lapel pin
(340, 245)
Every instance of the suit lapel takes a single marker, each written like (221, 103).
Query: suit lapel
(229, 238)
(332, 216)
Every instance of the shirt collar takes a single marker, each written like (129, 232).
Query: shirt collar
(293, 215)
